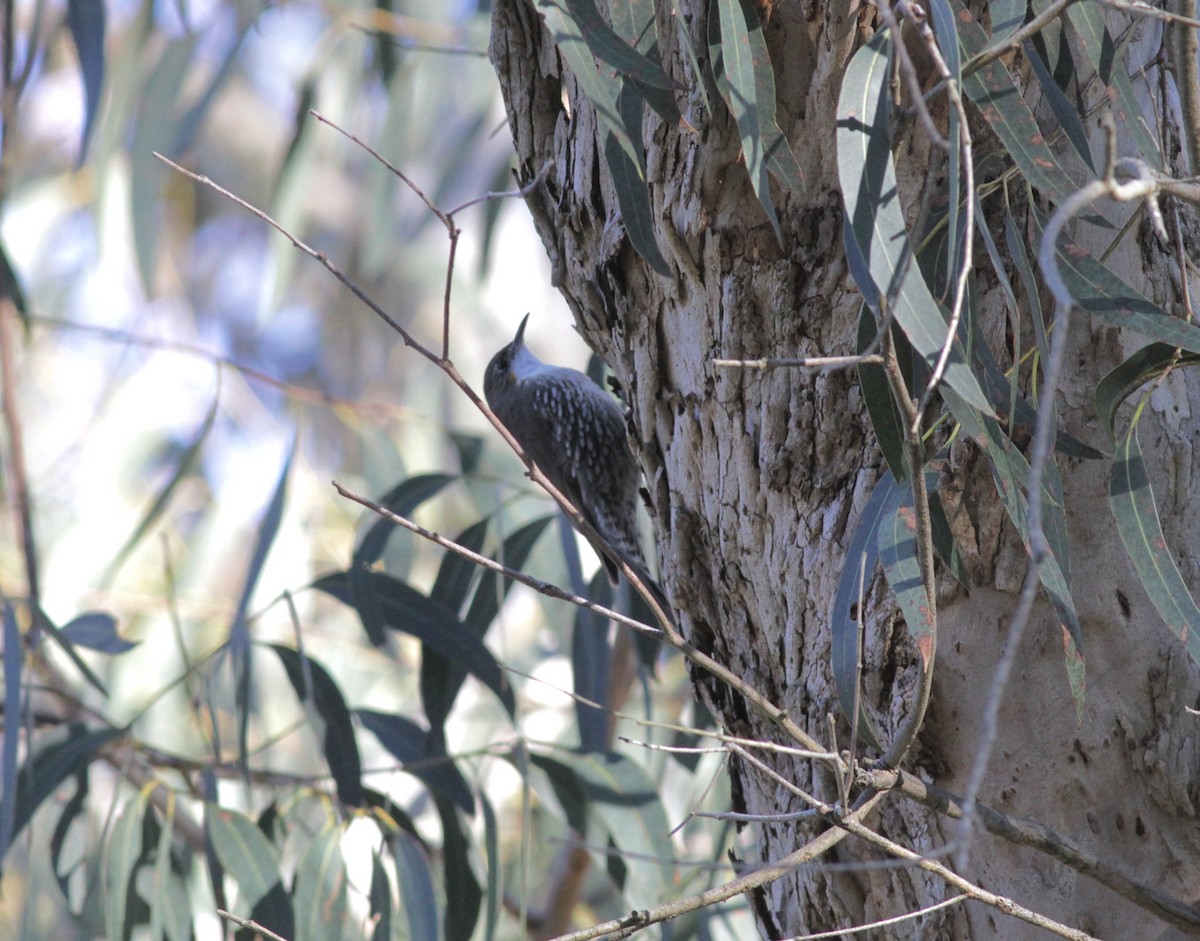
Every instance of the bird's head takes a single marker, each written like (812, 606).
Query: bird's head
(507, 366)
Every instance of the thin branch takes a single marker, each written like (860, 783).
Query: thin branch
(545, 588)
(638, 920)
(251, 925)
(804, 362)
(883, 923)
(17, 472)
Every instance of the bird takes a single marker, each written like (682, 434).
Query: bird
(575, 433)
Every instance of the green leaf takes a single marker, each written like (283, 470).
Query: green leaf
(405, 609)
(607, 46)
(154, 131)
(1146, 364)
(183, 467)
(14, 716)
(897, 545)
(402, 499)
(332, 719)
(120, 860)
(995, 91)
(1092, 37)
(1133, 506)
(379, 900)
(877, 394)
(635, 22)
(319, 892)
(568, 789)
(453, 582)
(96, 630)
(732, 58)
(492, 588)
(1110, 299)
(879, 253)
(52, 764)
(164, 885)
(491, 845)
(623, 798)
(86, 21)
(633, 199)
(250, 859)
(239, 630)
(417, 896)
(601, 91)
(1064, 111)
(409, 743)
(1007, 16)
(463, 895)
(591, 655)
(861, 555)
(1010, 471)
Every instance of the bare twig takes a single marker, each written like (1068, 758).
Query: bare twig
(804, 362)
(251, 925)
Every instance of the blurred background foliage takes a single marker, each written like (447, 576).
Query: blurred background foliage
(171, 352)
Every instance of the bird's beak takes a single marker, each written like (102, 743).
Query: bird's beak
(520, 339)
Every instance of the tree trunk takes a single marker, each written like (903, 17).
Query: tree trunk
(758, 477)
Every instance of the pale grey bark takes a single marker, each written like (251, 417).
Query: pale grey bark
(757, 479)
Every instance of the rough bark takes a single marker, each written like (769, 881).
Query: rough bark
(757, 478)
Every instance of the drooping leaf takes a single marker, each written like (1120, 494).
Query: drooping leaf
(47, 768)
(635, 22)
(166, 887)
(1064, 112)
(514, 552)
(732, 56)
(877, 395)
(71, 811)
(337, 734)
(882, 253)
(898, 553)
(601, 90)
(86, 21)
(454, 575)
(1133, 506)
(403, 608)
(625, 801)
(633, 198)
(418, 899)
(239, 630)
(1007, 17)
(944, 27)
(183, 467)
(250, 859)
(1107, 297)
(995, 92)
(120, 860)
(568, 789)
(441, 678)
(591, 654)
(462, 906)
(402, 499)
(96, 630)
(154, 131)
(14, 716)
(858, 570)
(491, 847)
(1121, 382)
(379, 901)
(319, 891)
(1092, 37)
(1010, 471)
(607, 46)
(408, 742)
